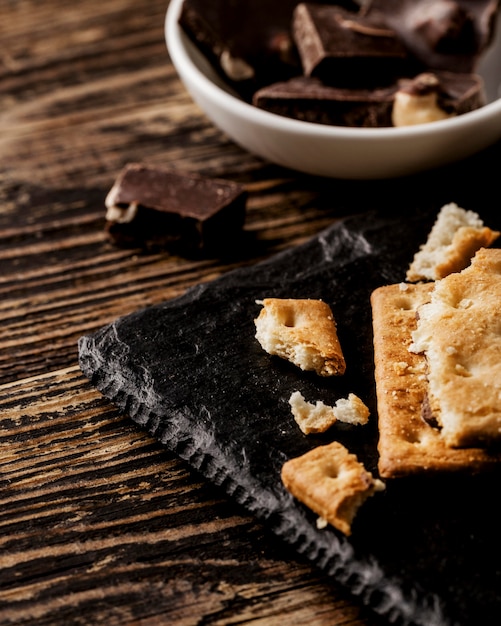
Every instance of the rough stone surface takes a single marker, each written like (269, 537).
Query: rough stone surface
(190, 370)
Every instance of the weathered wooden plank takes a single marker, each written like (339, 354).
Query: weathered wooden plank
(98, 521)
(61, 277)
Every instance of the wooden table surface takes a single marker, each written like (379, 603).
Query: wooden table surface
(98, 523)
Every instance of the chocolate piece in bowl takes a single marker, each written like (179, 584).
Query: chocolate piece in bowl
(442, 34)
(310, 100)
(154, 207)
(424, 98)
(249, 44)
(343, 48)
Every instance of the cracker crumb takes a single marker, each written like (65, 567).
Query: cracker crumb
(351, 410)
(318, 417)
(401, 368)
(311, 418)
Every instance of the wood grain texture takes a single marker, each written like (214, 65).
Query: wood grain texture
(98, 523)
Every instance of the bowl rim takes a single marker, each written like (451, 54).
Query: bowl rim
(177, 40)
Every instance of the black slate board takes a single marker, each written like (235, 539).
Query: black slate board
(425, 551)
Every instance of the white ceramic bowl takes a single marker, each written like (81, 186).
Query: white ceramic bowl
(333, 151)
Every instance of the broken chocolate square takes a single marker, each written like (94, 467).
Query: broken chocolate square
(310, 100)
(443, 34)
(249, 44)
(343, 48)
(153, 207)
(424, 98)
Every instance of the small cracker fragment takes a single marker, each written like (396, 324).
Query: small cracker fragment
(331, 482)
(454, 239)
(319, 417)
(351, 410)
(303, 331)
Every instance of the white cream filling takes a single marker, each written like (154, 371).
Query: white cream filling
(121, 215)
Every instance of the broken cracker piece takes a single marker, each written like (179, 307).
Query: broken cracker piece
(351, 410)
(319, 417)
(454, 239)
(331, 482)
(303, 331)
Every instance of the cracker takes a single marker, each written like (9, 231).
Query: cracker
(331, 482)
(303, 331)
(459, 333)
(452, 242)
(408, 444)
(319, 417)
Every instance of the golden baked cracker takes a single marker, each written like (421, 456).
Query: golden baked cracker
(331, 482)
(302, 331)
(465, 243)
(459, 333)
(454, 239)
(407, 444)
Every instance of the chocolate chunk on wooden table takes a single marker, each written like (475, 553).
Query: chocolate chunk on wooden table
(161, 208)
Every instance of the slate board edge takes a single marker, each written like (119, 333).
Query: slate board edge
(399, 602)
(412, 607)
(396, 600)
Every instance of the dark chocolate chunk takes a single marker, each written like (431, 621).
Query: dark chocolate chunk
(343, 48)
(460, 93)
(456, 93)
(154, 207)
(442, 34)
(248, 43)
(308, 99)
